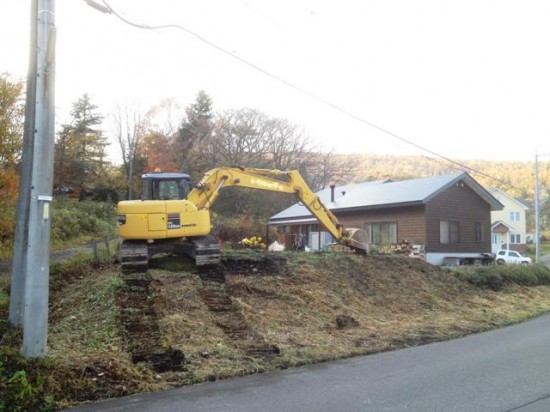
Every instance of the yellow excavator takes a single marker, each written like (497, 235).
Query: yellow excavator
(173, 215)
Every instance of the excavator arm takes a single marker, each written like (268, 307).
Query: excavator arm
(206, 191)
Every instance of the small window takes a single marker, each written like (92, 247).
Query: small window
(448, 231)
(478, 232)
(515, 238)
(515, 216)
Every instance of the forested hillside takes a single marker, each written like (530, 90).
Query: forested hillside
(516, 178)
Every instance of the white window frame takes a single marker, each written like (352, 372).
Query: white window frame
(515, 217)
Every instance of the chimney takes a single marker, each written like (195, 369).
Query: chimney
(332, 193)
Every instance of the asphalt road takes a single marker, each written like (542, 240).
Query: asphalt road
(502, 370)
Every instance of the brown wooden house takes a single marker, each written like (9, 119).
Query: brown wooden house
(448, 215)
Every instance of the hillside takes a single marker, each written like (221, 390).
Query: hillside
(519, 175)
(110, 336)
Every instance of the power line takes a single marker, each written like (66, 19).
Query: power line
(106, 8)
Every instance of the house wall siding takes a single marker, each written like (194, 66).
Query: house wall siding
(411, 222)
(462, 204)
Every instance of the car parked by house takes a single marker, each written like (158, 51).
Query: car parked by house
(512, 257)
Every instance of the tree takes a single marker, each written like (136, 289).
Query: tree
(250, 138)
(157, 147)
(12, 110)
(164, 117)
(240, 139)
(193, 136)
(11, 136)
(129, 130)
(155, 150)
(287, 144)
(326, 168)
(80, 150)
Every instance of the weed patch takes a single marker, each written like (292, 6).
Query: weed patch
(498, 277)
(25, 384)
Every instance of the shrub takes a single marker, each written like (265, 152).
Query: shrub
(72, 219)
(235, 229)
(496, 277)
(23, 383)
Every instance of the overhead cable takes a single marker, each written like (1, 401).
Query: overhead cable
(106, 8)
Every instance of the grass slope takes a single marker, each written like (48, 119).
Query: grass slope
(256, 313)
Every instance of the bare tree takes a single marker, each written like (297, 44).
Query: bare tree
(287, 144)
(128, 127)
(164, 117)
(239, 138)
(327, 168)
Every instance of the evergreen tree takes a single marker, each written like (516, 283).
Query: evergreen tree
(193, 136)
(80, 150)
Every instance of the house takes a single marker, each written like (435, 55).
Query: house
(509, 225)
(449, 215)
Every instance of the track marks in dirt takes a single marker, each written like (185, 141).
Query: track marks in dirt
(227, 315)
(139, 323)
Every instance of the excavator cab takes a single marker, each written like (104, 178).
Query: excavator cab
(165, 186)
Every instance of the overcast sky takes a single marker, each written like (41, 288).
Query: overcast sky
(463, 78)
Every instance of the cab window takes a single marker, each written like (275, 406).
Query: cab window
(168, 190)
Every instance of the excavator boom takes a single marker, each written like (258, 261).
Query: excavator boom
(206, 191)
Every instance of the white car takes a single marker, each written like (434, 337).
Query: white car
(511, 256)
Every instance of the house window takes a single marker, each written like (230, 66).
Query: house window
(515, 217)
(448, 231)
(515, 238)
(478, 232)
(382, 233)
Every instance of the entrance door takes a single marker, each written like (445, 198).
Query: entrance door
(496, 242)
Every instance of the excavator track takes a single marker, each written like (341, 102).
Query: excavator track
(134, 256)
(206, 251)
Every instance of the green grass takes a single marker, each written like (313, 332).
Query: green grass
(497, 277)
(544, 249)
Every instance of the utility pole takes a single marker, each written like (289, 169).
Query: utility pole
(21, 224)
(537, 210)
(30, 271)
(537, 205)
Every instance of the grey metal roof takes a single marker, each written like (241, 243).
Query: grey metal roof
(387, 193)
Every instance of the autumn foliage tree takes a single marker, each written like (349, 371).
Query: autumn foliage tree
(11, 136)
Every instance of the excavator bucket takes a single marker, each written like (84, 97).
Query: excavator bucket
(357, 239)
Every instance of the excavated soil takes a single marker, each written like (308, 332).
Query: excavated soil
(139, 323)
(217, 297)
(140, 298)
